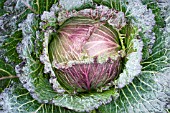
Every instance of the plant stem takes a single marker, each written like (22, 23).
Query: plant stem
(8, 77)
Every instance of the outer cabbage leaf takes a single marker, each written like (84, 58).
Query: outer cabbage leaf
(12, 14)
(2, 11)
(17, 99)
(7, 72)
(132, 66)
(8, 48)
(15, 12)
(39, 6)
(10, 35)
(148, 93)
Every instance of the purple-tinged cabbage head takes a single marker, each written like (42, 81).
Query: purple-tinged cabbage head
(85, 54)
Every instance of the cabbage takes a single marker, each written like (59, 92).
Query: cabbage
(84, 56)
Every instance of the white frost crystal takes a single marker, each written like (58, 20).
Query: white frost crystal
(115, 18)
(132, 67)
(72, 4)
(144, 19)
(165, 7)
(118, 20)
(44, 58)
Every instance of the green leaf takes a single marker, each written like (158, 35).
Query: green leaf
(7, 73)
(17, 99)
(2, 3)
(39, 6)
(148, 93)
(8, 48)
(119, 5)
(44, 6)
(2, 11)
(16, 12)
(10, 35)
(11, 14)
(86, 101)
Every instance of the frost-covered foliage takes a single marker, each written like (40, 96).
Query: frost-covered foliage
(84, 56)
